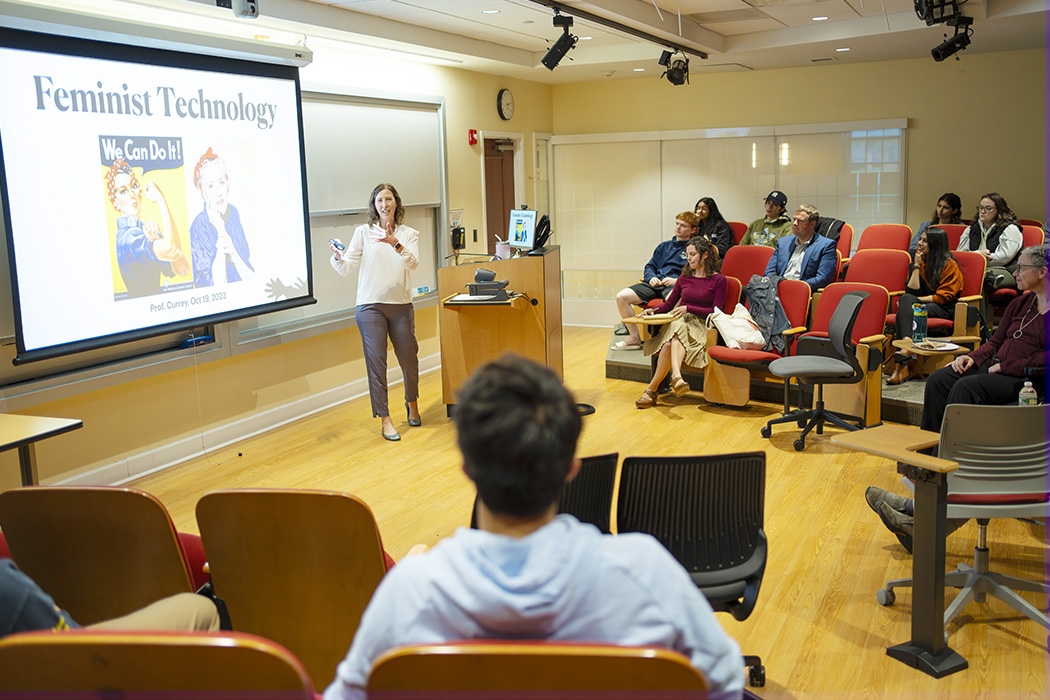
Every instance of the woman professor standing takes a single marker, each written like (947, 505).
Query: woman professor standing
(387, 251)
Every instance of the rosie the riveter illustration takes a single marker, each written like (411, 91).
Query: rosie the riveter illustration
(145, 249)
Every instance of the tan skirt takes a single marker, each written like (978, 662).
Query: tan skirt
(691, 332)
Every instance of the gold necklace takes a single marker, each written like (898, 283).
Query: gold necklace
(1017, 333)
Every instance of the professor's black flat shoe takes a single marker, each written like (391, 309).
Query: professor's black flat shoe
(414, 422)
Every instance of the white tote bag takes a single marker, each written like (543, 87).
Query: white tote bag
(738, 330)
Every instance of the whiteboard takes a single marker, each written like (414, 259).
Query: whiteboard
(353, 145)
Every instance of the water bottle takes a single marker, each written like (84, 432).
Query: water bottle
(1027, 397)
(918, 323)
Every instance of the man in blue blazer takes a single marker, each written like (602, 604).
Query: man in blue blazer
(804, 254)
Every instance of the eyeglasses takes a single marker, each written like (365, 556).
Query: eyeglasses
(982, 208)
(1021, 266)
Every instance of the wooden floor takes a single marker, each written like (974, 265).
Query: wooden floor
(817, 625)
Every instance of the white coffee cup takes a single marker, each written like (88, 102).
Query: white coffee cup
(503, 251)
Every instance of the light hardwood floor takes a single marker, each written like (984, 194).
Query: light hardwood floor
(817, 625)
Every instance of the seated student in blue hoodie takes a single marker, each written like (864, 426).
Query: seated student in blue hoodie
(528, 573)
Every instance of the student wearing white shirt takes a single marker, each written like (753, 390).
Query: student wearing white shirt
(997, 236)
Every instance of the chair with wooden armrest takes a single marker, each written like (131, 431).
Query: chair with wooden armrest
(100, 552)
(1002, 453)
(729, 371)
(524, 669)
(285, 559)
(103, 665)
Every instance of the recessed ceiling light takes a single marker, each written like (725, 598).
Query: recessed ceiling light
(819, 19)
(844, 48)
(585, 38)
(639, 70)
(490, 12)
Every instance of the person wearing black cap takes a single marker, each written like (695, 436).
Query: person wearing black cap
(776, 223)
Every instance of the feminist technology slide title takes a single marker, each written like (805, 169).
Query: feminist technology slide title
(175, 189)
(165, 100)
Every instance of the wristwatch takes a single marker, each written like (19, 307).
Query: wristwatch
(398, 246)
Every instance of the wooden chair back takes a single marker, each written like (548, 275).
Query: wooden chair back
(100, 552)
(520, 668)
(294, 566)
(149, 665)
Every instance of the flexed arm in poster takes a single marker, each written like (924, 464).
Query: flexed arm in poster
(145, 250)
(220, 248)
(165, 237)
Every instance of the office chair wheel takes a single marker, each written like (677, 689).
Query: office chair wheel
(886, 597)
(756, 676)
(801, 422)
(800, 445)
(766, 432)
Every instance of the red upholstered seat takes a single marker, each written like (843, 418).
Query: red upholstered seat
(740, 357)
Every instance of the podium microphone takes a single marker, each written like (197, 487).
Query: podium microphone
(534, 302)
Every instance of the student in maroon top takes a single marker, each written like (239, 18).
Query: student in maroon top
(697, 291)
(992, 374)
(995, 372)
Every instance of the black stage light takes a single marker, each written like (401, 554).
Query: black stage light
(564, 43)
(950, 47)
(677, 72)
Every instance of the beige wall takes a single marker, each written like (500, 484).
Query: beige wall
(955, 142)
(968, 147)
(136, 418)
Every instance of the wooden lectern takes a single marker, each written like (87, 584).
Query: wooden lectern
(475, 333)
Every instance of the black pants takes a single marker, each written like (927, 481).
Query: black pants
(975, 386)
(904, 314)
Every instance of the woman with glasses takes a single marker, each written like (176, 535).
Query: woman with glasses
(995, 372)
(992, 374)
(997, 236)
(713, 226)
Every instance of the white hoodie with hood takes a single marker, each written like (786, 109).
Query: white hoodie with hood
(563, 582)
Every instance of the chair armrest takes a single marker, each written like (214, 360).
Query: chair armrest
(972, 298)
(878, 338)
(796, 329)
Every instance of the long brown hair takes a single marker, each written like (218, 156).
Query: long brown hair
(712, 264)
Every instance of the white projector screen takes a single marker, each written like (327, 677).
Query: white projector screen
(146, 191)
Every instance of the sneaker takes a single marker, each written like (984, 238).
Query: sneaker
(874, 494)
(896, 522)
(997, 281)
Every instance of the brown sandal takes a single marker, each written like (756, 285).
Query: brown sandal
(647, 400)
(680, 387)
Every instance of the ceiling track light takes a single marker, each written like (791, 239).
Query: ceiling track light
(958, 41)
(677, 72)
(564, 43)
(946, 12)
(614, 25)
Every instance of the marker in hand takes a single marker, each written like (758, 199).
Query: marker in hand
(337, 243)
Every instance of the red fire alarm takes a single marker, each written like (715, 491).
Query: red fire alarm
(472, 137)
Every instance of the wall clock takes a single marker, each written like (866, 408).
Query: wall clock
(505, 104)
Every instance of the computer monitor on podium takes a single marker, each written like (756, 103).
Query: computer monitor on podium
(521, 233)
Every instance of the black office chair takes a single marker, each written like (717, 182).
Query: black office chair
(588, 497)
(820, 361)
(709, 513)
